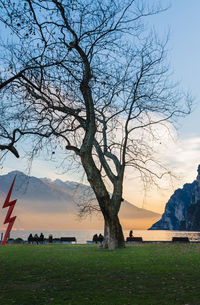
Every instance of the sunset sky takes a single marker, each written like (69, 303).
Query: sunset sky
(181, 154)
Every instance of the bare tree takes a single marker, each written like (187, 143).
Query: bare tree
(97, 83)
(5, 134)
(5, 82)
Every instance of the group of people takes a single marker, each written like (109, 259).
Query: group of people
(97, 238)
(36, 238)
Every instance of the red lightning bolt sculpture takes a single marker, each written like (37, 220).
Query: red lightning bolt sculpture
(8, 219)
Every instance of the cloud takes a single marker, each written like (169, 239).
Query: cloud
(184, 157)
(181, 157)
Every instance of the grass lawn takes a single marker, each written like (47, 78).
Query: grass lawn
(141, 274)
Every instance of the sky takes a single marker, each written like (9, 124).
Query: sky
(182, 153)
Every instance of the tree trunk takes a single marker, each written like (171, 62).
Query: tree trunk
(113, 234)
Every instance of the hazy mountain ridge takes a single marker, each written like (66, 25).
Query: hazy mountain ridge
(78, 189)
(56, 201)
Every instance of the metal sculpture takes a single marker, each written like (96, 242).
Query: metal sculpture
(10, 220)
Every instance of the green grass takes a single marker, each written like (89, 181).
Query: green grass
(141, 274)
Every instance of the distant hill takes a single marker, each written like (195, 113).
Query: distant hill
(46, 204)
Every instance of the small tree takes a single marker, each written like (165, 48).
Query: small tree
(91, 79)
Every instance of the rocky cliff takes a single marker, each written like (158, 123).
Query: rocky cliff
(182, 211)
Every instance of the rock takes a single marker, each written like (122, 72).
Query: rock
(192, 222)
(182, 211)
(192, 219)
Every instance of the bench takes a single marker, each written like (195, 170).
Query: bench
(134, 239)
(181, 239)
(96, 241)
(68, 239)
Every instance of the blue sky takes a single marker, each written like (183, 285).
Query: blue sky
(182, 19)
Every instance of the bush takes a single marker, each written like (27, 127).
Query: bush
(18, 241)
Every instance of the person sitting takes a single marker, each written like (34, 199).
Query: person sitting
(30, 239)
(101, 238)
(95, 238)
(50, 238)
(131, 233)
(36, 238)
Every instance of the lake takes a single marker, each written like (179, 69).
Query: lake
(84, 235)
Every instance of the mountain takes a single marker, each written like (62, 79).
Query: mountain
(36, 194)
(192, 219)
(182, 211)
(46, 204)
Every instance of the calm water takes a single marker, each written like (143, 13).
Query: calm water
(84, 235)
